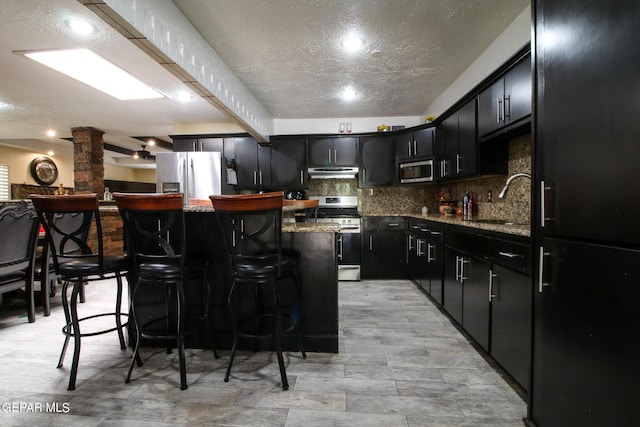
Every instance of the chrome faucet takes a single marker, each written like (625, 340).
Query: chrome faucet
(511, 178)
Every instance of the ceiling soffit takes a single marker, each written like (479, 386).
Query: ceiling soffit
(159, 28)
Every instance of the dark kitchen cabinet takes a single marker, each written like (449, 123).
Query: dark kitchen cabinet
(198, 144)
(452, 286)
(253, 163)
(587, 328)
(507, 101)
(457, 144)
(289, 163)
(384, 248)
(415, 144)
(416, 253)
(587, 264)
(377, 162)
(466, 285)
(511, 301)
(435, 262)
(425, 256)
(337, 151)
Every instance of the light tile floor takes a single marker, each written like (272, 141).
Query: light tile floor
(401, 363)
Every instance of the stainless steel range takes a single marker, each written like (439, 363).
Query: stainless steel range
(343, 210)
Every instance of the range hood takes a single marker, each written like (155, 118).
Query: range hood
(333, 172)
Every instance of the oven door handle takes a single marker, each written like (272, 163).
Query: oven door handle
(349, 227)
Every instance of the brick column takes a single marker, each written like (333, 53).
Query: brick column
(88, 160)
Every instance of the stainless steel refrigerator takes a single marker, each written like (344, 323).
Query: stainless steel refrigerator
(195, 174)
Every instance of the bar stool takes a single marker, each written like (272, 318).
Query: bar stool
(67, 221)
(156, 243)
(252, 227)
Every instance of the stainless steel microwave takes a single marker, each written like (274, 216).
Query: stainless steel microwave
(415, 171)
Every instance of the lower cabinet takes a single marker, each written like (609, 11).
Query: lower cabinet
(511, 300)
(384, 252)
(466, 283)
(435, 261)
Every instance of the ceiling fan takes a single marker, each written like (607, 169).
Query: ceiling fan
(143, 154)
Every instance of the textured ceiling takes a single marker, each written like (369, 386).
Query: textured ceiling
(287, 52)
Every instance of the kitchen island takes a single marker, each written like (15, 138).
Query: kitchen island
(313, 245)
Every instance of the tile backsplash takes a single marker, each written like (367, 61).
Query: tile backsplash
(516, 206)
(410, 199)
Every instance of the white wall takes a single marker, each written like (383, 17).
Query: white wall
(358, 124)
(517, 34)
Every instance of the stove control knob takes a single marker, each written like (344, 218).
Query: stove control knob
(348, 221)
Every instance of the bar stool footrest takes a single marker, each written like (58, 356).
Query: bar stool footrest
(68, 327)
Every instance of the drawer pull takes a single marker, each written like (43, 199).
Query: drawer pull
(510, 255)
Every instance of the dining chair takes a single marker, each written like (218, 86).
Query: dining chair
(18, 236)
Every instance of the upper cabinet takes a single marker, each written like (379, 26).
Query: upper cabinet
(416, 144)
(333, 152)
(253, 163)
(456, 145)
(289, 163)
(198, 144)
(507, 102)
(377, 162)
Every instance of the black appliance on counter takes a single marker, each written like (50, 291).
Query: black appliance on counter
(343, 210)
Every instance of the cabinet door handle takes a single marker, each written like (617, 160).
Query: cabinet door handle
(491, 276)
(506, 112)
(335, 155)
(371, 242)
(301, 176)
(543, 209)
(419, 247)
(409, 148)
(255, 177)
(329, 152)
(498, 107)
(415, 148)
(541, 282)
(462, 263)
(458, 168)
(457, 268)
(260, 177)
(410, 246)
(436, 233)
(429, 257)
(364, 175)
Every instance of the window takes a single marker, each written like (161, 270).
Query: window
(4, 181)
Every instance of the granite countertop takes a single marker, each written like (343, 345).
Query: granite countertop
(517, 229)
(310, 227)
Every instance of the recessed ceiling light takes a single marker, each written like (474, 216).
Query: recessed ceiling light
(51, 132)
(151, 142)
(50, 153)
(80, 26)
(349, 94)
(183, 96)
(352, 43)
(95, 71)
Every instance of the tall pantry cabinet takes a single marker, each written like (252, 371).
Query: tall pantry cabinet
(586, 335)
